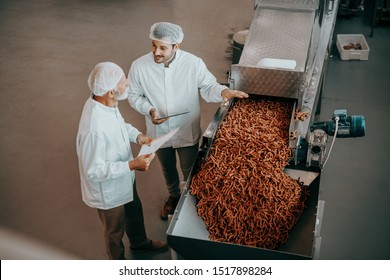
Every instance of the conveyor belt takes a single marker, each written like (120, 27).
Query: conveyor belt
(281, 29)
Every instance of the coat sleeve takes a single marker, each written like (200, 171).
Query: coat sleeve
(132, 132)
(94, 163)
(210, 89)
(137, 98)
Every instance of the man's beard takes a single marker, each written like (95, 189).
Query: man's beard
(162, 59)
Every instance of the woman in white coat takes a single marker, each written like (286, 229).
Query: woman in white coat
(169, 81)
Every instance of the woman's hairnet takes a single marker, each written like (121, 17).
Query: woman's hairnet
(166, 32)
(104, 77)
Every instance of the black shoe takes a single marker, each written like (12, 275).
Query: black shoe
(169, 207)
(153, 246)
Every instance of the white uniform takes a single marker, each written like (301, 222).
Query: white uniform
(103, 149)
(170, 90)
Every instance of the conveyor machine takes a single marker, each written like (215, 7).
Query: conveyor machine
(285, 57)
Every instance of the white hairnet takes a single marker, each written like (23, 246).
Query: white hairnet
(104, 77)
(166, 32)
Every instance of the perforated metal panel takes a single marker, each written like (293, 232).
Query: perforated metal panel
(269, 82)
(278, 34)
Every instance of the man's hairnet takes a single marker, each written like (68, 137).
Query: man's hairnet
(104, 77)
(166, 32)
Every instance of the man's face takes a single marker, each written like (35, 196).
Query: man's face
(123, 85)
(163, 52)
(121, 90)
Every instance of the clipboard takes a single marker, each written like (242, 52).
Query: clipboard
(172, 115)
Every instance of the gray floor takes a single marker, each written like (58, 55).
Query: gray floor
(48, 49)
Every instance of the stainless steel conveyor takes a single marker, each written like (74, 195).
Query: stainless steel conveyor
(285, 56)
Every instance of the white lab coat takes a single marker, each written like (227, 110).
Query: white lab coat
(170, 90)
(103, 150)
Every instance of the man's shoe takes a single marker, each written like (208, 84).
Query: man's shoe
(153, 246)
(169, 207)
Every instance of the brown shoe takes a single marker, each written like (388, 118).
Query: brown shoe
(153, 246)
(169, 207)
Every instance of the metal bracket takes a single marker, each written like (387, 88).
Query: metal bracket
(317, 230)
(316, 247)
(329, 7)
(320, 213)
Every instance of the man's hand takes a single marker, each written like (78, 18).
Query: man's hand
(141, 163)
(231, 93)
(154, 114)
(143, 139)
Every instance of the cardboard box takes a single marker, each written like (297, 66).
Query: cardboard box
(352, 47)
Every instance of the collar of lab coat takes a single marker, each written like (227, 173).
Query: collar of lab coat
(104, 107)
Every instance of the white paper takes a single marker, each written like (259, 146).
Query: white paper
(156, 143)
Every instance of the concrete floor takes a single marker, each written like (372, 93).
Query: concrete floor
(47, 50)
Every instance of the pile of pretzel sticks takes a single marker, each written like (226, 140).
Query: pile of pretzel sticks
(244, 197)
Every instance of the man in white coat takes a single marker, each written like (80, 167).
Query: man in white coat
(107, 165)
(169, 81)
